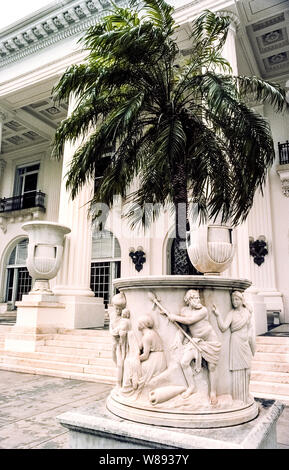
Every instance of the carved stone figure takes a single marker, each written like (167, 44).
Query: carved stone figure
(242, 344)
(175, 367)
(118, 353)
(123, 328)
(152, 357)
(207, 346)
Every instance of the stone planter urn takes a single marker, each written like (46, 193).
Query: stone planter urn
(210, 247)
(45, 249)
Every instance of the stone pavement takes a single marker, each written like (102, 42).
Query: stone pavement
(29, 405)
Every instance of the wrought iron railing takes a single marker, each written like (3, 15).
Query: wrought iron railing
(283, 152)
(26, 201)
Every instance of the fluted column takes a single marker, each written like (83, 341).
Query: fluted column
(72, 285)
(261, 225)
(3, 164)
(74, 275)
(241, 265)
(2, 118)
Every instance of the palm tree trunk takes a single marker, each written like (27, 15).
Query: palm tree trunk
(181, 260)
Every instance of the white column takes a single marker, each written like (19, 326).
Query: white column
(260, 224)
(72, 285)
(2, 119)
(241, 266)
(3, 164)
(74, 275)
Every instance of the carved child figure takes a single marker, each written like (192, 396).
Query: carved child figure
(118, 352)
(124, 326)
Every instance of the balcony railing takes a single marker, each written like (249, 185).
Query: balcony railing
(26, 201)
(283, 153)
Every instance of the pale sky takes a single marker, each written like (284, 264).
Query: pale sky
(14, 10)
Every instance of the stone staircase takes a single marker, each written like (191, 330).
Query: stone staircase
(86, 355)
(73, 354)
(270, 368)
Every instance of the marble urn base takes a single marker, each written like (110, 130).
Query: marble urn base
(93, 427)
(179, 382)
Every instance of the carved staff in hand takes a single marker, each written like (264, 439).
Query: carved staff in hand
(156, 301)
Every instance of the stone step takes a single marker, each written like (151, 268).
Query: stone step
(269, 388)
(273, 348)
(88, 352)
(271, 357)
(272, 340)
(64, 358)
(4, 329)
(58, 373)
(270, 376)
(64, 366)
(271, 396)
(270, 366)
(79, 344)
(83, 339)
(85, 332)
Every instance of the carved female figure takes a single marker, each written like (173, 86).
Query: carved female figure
(152, 358)
(242, 344)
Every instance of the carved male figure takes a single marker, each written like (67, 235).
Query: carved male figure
(195, 317)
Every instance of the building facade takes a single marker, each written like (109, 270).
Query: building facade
(34, 52)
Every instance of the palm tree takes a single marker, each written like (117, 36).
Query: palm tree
(181, 126)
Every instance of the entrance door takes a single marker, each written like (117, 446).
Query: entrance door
(19, 281)
(105, 264)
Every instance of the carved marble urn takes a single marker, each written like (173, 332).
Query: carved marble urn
(45, 250)
(182, 346)
(210, 247)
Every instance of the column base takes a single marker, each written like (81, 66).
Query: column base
(257, 302)
(83, 311)
(274, 303)
(39, 315)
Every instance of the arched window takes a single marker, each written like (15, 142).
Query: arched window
(105, 264)
(18, 279)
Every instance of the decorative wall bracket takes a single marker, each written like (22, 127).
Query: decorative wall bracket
(283, 172)
(258, 249)
(138, 257)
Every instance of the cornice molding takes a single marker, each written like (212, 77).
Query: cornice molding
(63, 21)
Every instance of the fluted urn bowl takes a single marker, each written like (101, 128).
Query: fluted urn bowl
(45, 249)
(210, 248)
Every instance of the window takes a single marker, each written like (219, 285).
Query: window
(25, 185)
(105, 265)
(19, 281)
(101, 166)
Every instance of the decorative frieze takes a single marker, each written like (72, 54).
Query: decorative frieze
(61, 23)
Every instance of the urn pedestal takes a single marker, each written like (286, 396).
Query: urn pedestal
(155, 391)
(41, 313)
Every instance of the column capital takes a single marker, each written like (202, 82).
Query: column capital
(3, 163)
(235, 20)
(3, 116)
